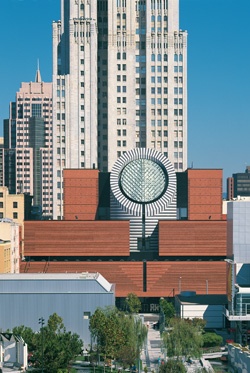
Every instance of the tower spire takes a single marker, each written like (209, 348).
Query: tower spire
(38, 78)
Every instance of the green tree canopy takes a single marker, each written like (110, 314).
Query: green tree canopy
(133, 303)
(211, 340)
(168, 310)
(118, 335)
(53, 347)
(184, 340)
(172, 366)
(28, 336)
(197, 322)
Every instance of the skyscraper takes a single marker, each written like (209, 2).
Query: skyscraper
(28, 143)
(119, 83)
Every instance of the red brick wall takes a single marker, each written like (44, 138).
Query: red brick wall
(192, 238)
(204, 194)
(81, 188)
(76, 238)
(163, 278)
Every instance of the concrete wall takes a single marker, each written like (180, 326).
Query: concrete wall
(239, 358)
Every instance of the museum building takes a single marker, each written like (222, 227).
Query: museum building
(143, 226)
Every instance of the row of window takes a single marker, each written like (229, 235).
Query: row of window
(34, 99)
(159, 133)
(15, 204)
(121, 132)
(165, 112)
(15, 215)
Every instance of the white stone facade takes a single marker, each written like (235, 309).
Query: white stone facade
(119, 83)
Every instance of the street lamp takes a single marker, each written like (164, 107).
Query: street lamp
(179, 284)
(41, 322)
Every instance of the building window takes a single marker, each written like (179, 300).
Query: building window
(86, 315)
(15, 215)
(36, 110)
(1, 205)
(15, 205)
(1, 194)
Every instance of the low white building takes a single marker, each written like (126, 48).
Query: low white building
(188, 305)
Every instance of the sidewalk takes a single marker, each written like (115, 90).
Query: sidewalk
(153, 352)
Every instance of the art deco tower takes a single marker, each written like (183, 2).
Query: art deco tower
(119, 83)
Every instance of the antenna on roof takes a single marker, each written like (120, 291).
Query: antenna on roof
(38, 78)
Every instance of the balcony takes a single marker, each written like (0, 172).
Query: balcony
(236, 315)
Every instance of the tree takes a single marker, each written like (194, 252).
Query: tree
(59, 347)
(105, 326)
(118, 335)
(172, 366)
(211, 340)
(28, 336)
(168, 310)
(198, 322)
(133, 303)
(184, 340)
(53, 347)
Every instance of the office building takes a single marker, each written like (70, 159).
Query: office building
(119, 83)
(238, 262)
(28, 144)
(239, 184)
(1, 162)
(10, 239)
(15, 208)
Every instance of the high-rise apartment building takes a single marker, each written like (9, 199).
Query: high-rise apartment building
(1, 162)
(28, 144)
(119, 82)
(239, 184)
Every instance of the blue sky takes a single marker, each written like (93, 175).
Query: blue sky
(218, 71)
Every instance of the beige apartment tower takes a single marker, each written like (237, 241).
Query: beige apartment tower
(28, 144)
(119, 83)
